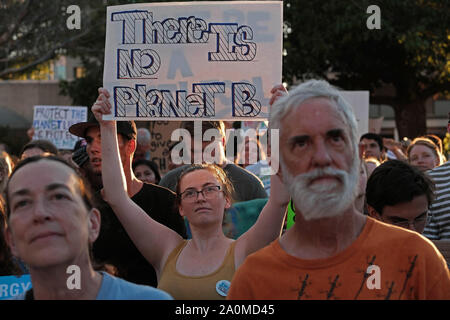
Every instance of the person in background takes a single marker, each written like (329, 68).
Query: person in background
(399, 194)
(202, 267)
(114, 246)
(80, 159)
(439, 226)
(438, 142)
(144, 140)
(332, 251)
(247, 185)
(52, 223)
(373, 146)
(262, 168)
(371, 164)
(424, 154)
(38, 147)
(394, 148)
(146, 171)
(251, 151)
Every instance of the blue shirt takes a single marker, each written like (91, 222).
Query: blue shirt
(113, 288)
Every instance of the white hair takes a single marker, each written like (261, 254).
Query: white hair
(315, 89)
(322, 200)
(143, 136)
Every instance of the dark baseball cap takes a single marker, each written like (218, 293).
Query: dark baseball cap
(125, 128)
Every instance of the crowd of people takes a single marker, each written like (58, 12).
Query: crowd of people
(360, 203)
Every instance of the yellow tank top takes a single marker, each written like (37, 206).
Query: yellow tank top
(213, 286)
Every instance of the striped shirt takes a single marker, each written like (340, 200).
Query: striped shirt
(439, 226)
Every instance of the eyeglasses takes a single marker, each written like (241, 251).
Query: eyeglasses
(418, 222)
(209, 192)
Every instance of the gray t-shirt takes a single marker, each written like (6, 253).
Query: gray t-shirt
(246, 185)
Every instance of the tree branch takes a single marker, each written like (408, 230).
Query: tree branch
(436, 88)
(391, 101)
(49, 55)
(8, 34)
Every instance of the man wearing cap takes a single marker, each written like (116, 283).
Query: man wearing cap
(439, 226)
(114, 246)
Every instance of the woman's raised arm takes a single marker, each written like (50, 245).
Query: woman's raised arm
(154, 240)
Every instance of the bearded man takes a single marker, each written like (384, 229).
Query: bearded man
(333, 251)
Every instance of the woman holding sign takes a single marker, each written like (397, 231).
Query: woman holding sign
(200, 268)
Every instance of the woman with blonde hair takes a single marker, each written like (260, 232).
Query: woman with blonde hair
(202, 267)
(424, 154)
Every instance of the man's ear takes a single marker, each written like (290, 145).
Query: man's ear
(361, 149)
(94, 224)
(10, 241)
(437, 162)
(132, 145)
(373, 213)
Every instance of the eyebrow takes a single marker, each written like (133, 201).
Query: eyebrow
(302, 138)
(92, 136)
(403, 219)
(330, 133)
(50, 187)
(335, 133)
(204, 185)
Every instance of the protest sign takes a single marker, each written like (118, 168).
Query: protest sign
(193, 60)
(52, 123)
(359, 100)
(11, 286)
(161, 132)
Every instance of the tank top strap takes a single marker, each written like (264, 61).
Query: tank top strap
(229, 257)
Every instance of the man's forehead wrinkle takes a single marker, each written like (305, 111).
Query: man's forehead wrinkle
(331, 109)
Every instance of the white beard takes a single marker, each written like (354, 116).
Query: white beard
(322, 200)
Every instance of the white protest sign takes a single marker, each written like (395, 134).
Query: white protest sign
(359, 100)
(52, 123)
(193, 60)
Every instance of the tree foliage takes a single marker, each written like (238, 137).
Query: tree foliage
(408, 56)
(91, 50)
(33, 32)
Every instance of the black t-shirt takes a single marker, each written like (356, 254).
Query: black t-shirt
(115, 247)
